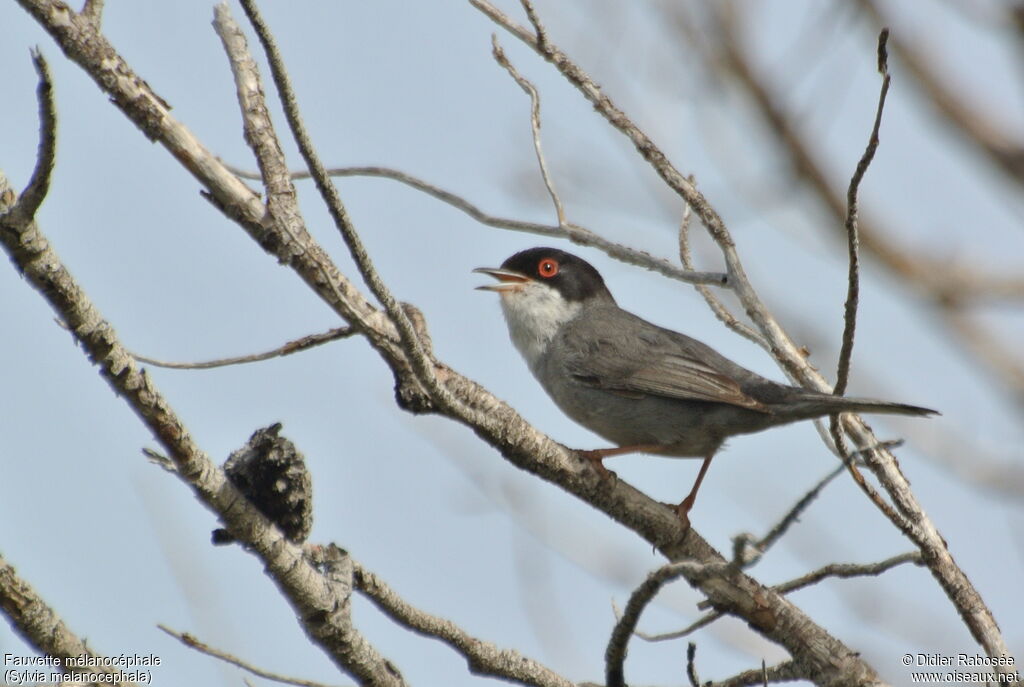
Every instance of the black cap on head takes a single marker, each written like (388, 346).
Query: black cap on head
(573, 277)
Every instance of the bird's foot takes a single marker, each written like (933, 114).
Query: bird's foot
(596, 458)
(683, 510)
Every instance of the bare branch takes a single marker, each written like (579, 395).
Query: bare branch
(93, 11)
(531, 14)
(39, 183)
(495, 422)
(418, 356)
(289, 348)
(717, 307)
(845, 570)
(954, 582)
(786, 351)
(483, 657)
(323, 615)
(974, 124)
(193, 643)
(703, 621)
(944, 283)
(762, 545)
(36, 622)
(853, 296)
(787, 671)
(575, 233)
(853, 240)
(257, 125)
(531, 90)
(618, 643)
(691, 664)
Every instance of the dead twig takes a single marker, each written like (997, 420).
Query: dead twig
(193, 643)
(289, 348)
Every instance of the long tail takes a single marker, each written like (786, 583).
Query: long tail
(816, 405)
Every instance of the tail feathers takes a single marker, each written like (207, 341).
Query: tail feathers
(825, 404)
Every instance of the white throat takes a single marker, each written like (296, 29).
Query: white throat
(534, 313)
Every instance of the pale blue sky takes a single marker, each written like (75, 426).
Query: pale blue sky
(116, 545)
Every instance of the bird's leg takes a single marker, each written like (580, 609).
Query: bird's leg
(683, 509)
(596, 456)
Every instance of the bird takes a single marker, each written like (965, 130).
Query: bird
(642, 387)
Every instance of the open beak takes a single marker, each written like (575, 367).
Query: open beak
(507, 279)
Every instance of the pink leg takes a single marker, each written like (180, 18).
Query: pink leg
(686, 504)
(597, 456)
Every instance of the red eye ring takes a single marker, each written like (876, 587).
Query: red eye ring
(547, 267)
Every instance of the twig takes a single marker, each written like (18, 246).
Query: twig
(257, 126)
(717, 307)
(414, 348)
(691, 664)
(284, 562)
(762, 545)
(289, 348)
(703, 621)
(575, 233)
(618, 642)
(899, 517)
(853, 240)
(484, 658)
(531, 90)
(39, 183)
(203, 648)
(974, 124)
(787, 671)
(958, 588)
(845, 570)
(31, 253)
(787, 353)
(541, 33)
(159, 459)
(808, 498)
(852, 297)
(742, 542)
(93, 11)
(277, 226)
(499, 425)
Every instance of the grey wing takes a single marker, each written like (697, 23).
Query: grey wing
(630, 356)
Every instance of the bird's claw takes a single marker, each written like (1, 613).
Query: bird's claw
(683, 511)
(596, 458)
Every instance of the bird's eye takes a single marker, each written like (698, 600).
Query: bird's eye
(547, 267)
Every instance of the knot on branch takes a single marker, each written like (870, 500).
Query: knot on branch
(271, 473)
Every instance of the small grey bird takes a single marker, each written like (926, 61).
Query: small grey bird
(643, 387)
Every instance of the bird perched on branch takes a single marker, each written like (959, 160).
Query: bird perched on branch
(640, 386)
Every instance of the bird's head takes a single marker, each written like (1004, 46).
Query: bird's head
(541, 289)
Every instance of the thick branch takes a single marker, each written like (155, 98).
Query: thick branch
(33, 619)
(322, 615)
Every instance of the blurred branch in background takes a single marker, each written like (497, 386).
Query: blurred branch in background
(977, 125)
(954, 288)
